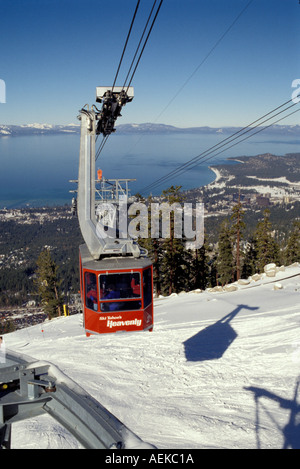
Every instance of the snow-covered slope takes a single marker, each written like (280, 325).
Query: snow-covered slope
(219, 370)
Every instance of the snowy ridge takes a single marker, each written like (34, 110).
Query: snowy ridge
(37, 129)
(220, 369)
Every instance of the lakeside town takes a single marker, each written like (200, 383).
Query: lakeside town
(259, 182)
(263, 193)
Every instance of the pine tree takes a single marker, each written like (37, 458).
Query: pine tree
(155, 253)
(200, 268)
(174, 266)
(237, 233)
(267, 248)
(250, 259)
(48, 284)
(213, 272)
(7, 326)
(225, 257)
(292, 252)
(153, 246)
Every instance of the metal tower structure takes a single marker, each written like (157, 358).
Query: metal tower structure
(94, 122)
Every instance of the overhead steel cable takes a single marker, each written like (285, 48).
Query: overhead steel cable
(104, 140)
(163, 180)
(139, 58)
(139, 44)
(249, 136)
(198, 159)
(126, 42)
(143, 48)
(205, 58)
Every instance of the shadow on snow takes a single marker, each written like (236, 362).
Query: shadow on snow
(213, 341)
(291, 431)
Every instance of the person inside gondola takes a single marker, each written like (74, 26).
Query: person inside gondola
(92, 299)
(136, 290)
(91, 291)
(112, 294)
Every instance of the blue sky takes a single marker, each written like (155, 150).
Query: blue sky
(55, 52)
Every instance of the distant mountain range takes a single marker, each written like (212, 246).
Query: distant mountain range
(50, 129)
(167, 129)
(37, 129)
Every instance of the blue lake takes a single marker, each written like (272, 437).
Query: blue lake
(36, 170)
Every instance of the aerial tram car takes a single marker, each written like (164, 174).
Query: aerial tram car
(116, 276)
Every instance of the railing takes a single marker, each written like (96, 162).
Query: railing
(31, 388)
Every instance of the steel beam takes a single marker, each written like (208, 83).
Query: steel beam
(29, 388)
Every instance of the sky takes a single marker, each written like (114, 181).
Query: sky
(207, 62)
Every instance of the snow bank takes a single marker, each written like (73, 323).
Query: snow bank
(270, 271)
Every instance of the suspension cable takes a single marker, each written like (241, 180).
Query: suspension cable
(104, 140)
(139, 43)
(200, 158)
(140, 56)
(197, 159)
(126, 42)
(205, 58)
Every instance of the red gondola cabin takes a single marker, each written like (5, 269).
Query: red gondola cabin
(116, 293)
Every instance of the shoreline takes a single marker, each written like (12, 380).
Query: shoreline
(217, 173)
